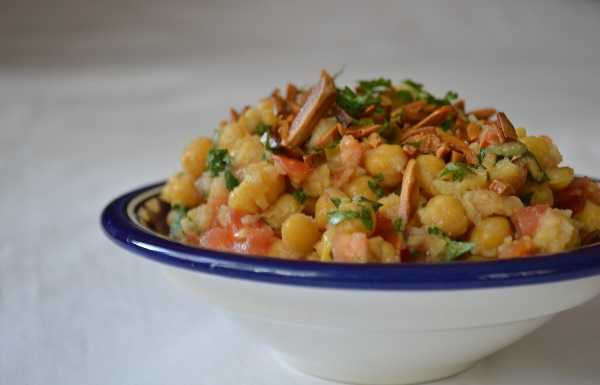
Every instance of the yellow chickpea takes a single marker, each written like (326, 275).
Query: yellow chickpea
(540, 194)
(285, 206)
(388, 160)
(447, 213)
(181, 190)
(324, 205)
(511, 174)
(260, 188)
(193, 159)
(589, 217)
(300, 233)
(317, 181)
(382, 251)
(353, 225)
(429, 167)
(489, 234)
(560, 177)
(544, 149)
(246, 151)
(230, 133)
(359, 186)
(279, 249)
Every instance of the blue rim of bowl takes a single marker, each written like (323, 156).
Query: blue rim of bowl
(120, 225)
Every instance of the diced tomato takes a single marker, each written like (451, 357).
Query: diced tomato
(527, 220)
(489, 136)
(217, 238)
(385, 229)
(350, 248)
(520, 248)
(295, 169)
(351, 151)
(192, 239)
(256, 240)
(574, 196)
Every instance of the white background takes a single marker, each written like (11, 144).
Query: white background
(98, 97)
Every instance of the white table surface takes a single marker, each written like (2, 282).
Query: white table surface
(100, 97)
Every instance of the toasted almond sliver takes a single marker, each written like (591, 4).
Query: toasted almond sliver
(473, 131)
(460, 105)
(416, 131)
(483, 113)
(409, 195)
(442, 151)
(233, 115)
(290, 93)
(507, 130)
(458, 145)
(456, 156)
(321, 97)
(436, 117)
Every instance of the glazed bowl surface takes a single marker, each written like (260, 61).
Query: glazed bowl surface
(368, 324)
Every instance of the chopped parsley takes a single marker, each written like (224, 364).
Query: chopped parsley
(231, 181)
(299, 195)
(336, 201)
(447, 124)
(416, 91)
(456, 171)
(353, 103)
(363, 213)
(387, 130)
(399, 225)
(261, 128)
(375, 86)
(454, 249)
(175, 229)
(218, 160)
(405, 96)
(375, 185)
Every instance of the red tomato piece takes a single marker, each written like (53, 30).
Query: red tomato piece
(295, 169)
(256, 240)
(350, 248)
(385, 229)
(489, 136)
(574, 196)
(527, 220)
(217, 238)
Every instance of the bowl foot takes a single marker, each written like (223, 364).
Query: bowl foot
(373, 376)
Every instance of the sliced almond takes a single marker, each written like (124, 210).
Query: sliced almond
(460, 105)
(506, 129)
(409, 195)
(456, 157)
(415, 111)
(473, 131)
(416, 131)
(361, 132)
(233, 115)
(442, 151)
(483, 113)
(458, 145)
(321, 97)
(290, 93)
(437, 117)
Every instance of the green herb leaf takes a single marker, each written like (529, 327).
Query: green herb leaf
(231, 181)
(374, 205)
(387, 130)
(399, 225)
(434, 230)
(218, 160)
(261, 128)
(418, 92)
(455, 249)
(416, 144)
(336, 201)
(375, 86)
(456, 171)
(405, 96)
(339, 216)
(175, 229)
(353, 103)
(375, 186)
(447, 124)
(299, 195)
(366, 218)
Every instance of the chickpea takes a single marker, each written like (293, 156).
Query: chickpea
(544, 149)
(181, 190)
(429, 167)
(560, 177)
(359, 186)
(285, 206)
(324, 205)
(540, 194)
(230, 133)
(447, 213)
(193, 159)
(300, 233)
(357, 224)
(589, 217)
(317, 181)
(260, 187)
(489, 234)
(382, 251)
(513, 175)
(247, 150)
(267, 111)
(388, 160)
(279, 249)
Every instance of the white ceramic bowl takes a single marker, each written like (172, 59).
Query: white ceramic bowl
(370, 324)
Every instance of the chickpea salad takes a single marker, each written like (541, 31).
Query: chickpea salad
(381, 172)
